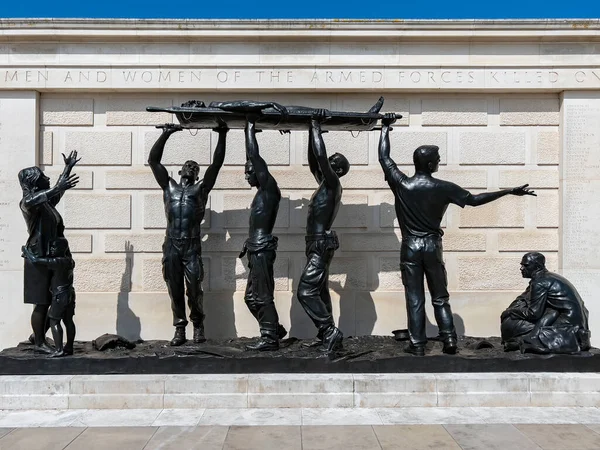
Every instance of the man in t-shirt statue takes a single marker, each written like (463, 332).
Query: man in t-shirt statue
(421, 201)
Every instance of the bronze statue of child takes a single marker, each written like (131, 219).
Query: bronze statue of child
(62, 307)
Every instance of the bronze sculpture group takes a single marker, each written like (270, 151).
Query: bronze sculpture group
(549, 317)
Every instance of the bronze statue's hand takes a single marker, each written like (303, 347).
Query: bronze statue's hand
(388, 119)
(282, 110)
(27, 254)
(69, 182)
(252, 117)
(522, 190)
(170, 127)
(321, 115)
(71, 160)
(222, 127)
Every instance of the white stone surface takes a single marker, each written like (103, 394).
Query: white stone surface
(340, 416)
(303, 416)
(116, 418)
(67, 111)
(255, 392)
(492, 148)
(300, 391)
(18, 149)
(246, 417)
(100, 148)
(454, 112)
(394, 416)
(580, 183)
(178, 417)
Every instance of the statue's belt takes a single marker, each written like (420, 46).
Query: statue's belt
(266, 242)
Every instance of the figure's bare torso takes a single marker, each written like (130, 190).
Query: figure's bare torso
(323, 208)
(185, 206)
(264, 208)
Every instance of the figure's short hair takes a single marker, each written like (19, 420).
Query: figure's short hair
(339, 161)
(61, 244)
(191, 162)
(537, 258)
(28, 178)
(425, 154)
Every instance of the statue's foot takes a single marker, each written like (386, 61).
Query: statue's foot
(44, 348)
(57, 354)
(31, 340)
(179, 338)
(281, 332)
(450, 347)
(332, 340)
(417, 350)
(68, 350)
(264, 345)
(199, 334)
(511, 346)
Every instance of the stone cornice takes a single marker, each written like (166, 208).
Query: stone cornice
(335, 29)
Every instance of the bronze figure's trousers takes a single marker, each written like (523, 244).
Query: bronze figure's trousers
(422, 257)
(313, 289)
(260, 286)
(182, 262)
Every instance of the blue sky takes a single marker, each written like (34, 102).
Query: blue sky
(309, 9)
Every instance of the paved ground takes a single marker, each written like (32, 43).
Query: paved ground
(303, 429)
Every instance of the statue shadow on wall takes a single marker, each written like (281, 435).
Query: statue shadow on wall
(128, 324)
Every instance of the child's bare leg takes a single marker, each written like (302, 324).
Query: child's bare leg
(70, 327)
(57, 335)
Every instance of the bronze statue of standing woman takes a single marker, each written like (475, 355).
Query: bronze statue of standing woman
(44, 226)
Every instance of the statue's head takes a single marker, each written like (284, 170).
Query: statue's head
(59, 247)
(251, 177)
(190, 171)
(532, 263)
(427, 158)
(339, 164)
(33, 179)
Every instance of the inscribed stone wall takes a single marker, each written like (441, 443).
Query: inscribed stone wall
(486, 142)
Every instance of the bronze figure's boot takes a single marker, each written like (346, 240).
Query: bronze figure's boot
(417, 350)
(268, 341)
(199, 334)
(179, 337)
(450, 347)
(332, 340)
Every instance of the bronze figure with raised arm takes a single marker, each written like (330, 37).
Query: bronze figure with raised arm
(185, 205)
(44, 225)
(321, 241)
(421, 202)
(261, 245)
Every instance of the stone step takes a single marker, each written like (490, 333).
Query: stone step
(299, 391)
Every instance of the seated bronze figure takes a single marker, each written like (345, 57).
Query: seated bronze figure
(549, 317)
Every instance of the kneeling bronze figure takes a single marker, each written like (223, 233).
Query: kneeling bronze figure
(549, 317)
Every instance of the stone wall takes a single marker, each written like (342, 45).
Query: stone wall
(486, 142)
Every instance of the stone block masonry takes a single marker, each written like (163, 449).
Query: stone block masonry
(479, 152)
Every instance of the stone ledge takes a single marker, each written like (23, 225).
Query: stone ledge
(302, 391)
